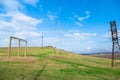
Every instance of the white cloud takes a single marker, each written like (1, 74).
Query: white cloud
(27, 34)
(78, 35)
(18, 22)
(88, 34)
(88, 48)
(31, 2)
(11, 5)
(15, 23)
(87, 12)
(78, 23)
(68, 35)
(51, 16)
(78, 19)
(20, 25)
(14, 19)
(83, 18)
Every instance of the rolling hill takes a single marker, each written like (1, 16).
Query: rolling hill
(49, 63)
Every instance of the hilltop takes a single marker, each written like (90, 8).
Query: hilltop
(49, 63)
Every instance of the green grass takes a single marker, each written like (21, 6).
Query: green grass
(51, 64)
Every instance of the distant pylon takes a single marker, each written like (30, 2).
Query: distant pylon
(115, 41)
(59, 31)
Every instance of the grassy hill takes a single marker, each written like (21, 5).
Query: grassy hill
(52, 64)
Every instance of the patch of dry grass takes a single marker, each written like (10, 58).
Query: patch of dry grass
(18, 59)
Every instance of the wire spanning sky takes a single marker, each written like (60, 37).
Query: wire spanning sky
(83, 24)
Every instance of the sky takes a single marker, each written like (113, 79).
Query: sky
(80, 26)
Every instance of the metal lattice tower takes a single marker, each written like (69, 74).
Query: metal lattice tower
(115, 41)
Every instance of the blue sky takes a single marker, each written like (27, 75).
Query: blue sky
(80, 26)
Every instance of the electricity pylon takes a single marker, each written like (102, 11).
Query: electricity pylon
(115, 40)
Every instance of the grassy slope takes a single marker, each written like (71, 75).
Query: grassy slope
(57, 66)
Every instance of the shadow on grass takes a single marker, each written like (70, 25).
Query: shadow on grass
(39, 73)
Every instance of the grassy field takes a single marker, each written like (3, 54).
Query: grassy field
(51, 64)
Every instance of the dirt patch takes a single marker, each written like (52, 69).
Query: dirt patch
(18, 59)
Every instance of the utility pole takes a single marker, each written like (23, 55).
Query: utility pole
(115, 41)
(42, 40)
